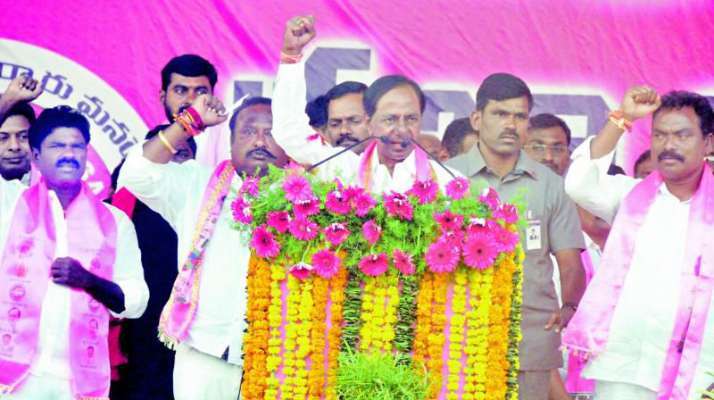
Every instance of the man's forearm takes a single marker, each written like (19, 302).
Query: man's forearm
(157, 151)
(572, 282)
(5, 106)
(108, 293)
(605, 141)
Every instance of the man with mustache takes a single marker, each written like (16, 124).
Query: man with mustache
(503, 102)
(69, 261)
(547, 142)
(393, 107)
(16, 116)
(204, 319)
(346, 119)
(645, 321)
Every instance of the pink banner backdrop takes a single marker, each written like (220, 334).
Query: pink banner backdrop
(578, 58)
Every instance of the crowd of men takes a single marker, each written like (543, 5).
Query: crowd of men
(159, 266)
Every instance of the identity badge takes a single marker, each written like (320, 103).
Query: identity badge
(533, 233)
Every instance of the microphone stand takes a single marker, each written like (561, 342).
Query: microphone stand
(344, 150)
(433, 158)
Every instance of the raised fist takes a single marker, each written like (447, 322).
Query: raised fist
(210, 109)
(299, 31)
(640, 101)
(22, 88)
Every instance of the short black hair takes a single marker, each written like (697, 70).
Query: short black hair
(343, 89)
(545, 121)
(188, 65)
(642, 158)
(502, 86)
(158, 128)
(455, 133)
(22, 109)
(677, 99)
(316, 110)
(250, 101)
(57, 117)
(381, 86)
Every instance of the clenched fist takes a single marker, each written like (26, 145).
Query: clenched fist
(299, 31)
(22, 88)
(210, 109)
(640, 101)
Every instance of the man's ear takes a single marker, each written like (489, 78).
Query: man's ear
(162, 96)
(475, 119)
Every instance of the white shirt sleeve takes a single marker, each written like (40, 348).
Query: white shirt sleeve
(291, 126)
(128, 273)
(162, 187)
(589, 185)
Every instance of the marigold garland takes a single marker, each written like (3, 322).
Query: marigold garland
(425, 301)
(437, 337)
(305, 313)
(457, 323)
(514, 332)
(337, 299)
(318, 341)
(287, 389)
(255, 345)
(275, 320)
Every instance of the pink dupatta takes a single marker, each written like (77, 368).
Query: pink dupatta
(27, 256)
(589, 329)
(365, 171)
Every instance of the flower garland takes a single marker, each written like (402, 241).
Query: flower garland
(255, 345)
(372, 314)
(287, 389)
(337, 299)
(304, 330)
(351, 312)
(514, 332)
(425, 301)
(318, 341)
(437, 337)
(275, 320)
(406, 316)
(477, 344)
(457, 324)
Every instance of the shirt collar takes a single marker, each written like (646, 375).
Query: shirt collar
(524, 164)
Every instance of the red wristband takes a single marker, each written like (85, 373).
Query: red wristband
(196, 118)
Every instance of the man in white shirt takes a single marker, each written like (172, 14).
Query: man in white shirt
(208, 340)
(16, 116)
(393, 105)
(642, 321)
(54, 331)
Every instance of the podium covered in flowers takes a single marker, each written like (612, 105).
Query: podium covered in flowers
(400, 296)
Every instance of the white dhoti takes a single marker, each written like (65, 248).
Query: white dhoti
(198, 376)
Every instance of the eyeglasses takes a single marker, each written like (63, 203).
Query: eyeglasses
(540, 149)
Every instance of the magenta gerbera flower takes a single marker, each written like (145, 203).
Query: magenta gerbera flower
(507, 212)
(442, 257)
(278, 220)
(505, 240)
(371, 231)
(363, 203)
(301, 270)
(490, 198)
(241, 211)
(303, 229)
(457, 188)
(403, 262)
(398, 205)
(337, 203)
(480, 250)
(374, 264)
(424, 191)
(449, 221)
(264, 243)
(306, 208)
(336, 233)
(297, 188)
(250, 186)
(326, 263)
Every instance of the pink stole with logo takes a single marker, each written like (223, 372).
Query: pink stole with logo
(365, 173)
(589, 329)
(25, 267)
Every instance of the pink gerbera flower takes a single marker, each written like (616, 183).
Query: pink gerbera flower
(480, 250)
(336, 233)
(507, 212)
(457, 188)
(350, 192)
(250, 186)
(279, 220)
(301, 270)
(505, 240)
(398, 205)
(442, 257)
(306, 208)
(371, 231)
(241, 210)
(363, 203)
(374, 264)
(424, 191)
(449, 221)
(403, 262)
(337, 203)
(264, 243)
(297, 188)
(303, 229)
(454, 238)
(326, 263)
(490, 198)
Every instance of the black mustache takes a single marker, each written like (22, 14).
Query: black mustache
(69, 161)
(508, 132)
(344, 138)
(262, 150)
(669, 154)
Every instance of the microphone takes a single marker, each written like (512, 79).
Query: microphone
(416, 143)
(344, 150)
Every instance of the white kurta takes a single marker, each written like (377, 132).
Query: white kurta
(644, 317)
(52, 357)
(176, 192)
(291, 129)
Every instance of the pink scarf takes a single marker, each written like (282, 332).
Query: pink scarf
(25, 268)
(180, 311)
(365, 172)
(574, 382)
(588, 331)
